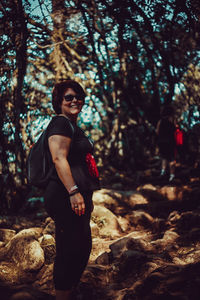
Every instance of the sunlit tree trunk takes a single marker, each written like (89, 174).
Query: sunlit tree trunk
(59, 19)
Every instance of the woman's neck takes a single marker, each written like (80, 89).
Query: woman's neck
(73, 119)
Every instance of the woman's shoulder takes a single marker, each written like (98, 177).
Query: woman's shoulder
(60, 119)
(60, 125)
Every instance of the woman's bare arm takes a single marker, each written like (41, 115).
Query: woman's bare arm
(59, 147)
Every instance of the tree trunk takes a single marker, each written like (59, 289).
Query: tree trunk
(59, 20)
(20, 35)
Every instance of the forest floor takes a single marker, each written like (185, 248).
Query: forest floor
(148, 248)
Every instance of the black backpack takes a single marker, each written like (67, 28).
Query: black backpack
(39, 164)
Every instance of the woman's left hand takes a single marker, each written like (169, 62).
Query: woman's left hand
(78, 204)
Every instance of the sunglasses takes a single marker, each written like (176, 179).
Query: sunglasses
(70, 97)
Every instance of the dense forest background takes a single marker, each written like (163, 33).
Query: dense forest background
(132, 57)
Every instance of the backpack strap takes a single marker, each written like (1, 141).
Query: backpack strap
(62, 115)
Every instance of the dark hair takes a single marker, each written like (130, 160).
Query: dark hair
(59, 90)
(168, 111)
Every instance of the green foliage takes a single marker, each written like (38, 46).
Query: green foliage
(187, 101)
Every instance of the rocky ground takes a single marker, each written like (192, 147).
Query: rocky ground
(146, 243)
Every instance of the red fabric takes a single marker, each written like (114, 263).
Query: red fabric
(179, 137)
(92, 167)
(31, 146)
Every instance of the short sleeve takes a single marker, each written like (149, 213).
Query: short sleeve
(60, 125)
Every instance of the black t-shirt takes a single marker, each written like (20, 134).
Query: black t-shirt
(166, 131)
(80, 156)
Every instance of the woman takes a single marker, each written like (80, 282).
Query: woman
(166, 141)
(68, 196)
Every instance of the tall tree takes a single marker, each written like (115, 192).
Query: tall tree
(14, 52)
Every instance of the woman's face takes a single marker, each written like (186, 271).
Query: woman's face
(72, 103)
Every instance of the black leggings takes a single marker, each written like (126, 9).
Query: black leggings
(73, 235)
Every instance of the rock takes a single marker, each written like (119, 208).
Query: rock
(29, 233)
(24, 250)
(158, 259)
(173, 192)
(178, 261)
(123, 294)
(192, 257)
(170, 282)
(135, 198)
(49, 226)
(9, 273)
(133, 254)
(170, 236)
(6, 235)
(118, 247)
(106, 221)
(94, 229)
(106, 197)
(146, 187)
(99, 246)
(131, 262)
(124, 223)
(140, 218)
(151, 266)
(7, 251)
(116, 200)
(188, 220)
(167, 242)
(22, 296)
(103, 259)
(6, 222)
(131, 241)
(159, 225)
(44, 279)
(47, 242)
(2, 244)
(139, 245)
(28, 255)
(152, 195)
(97, 270)
(23, 292)
(174, 216)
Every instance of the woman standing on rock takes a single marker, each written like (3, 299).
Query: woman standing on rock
(68, 196)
